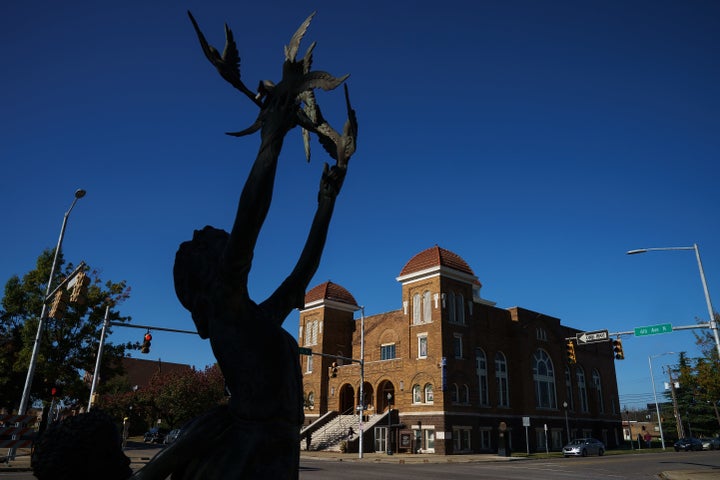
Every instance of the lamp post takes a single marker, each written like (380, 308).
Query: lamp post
(43, 314)
(657, 405)
(567, 424)
(389, 398)
(713, 324)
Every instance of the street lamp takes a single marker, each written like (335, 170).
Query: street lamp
(713, 324)
(567, 424)
(657, 405)
(79, 193)
(389, 398)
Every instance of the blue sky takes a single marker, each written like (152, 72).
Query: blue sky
(538, 140)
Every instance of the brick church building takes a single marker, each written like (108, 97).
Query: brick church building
(457, 373)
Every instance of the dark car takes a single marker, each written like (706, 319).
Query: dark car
(582, 447)
(155, 435)
(688, 444)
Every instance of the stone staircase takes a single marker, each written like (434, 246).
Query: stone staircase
(330, 436)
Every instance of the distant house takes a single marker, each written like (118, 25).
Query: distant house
(139, 372)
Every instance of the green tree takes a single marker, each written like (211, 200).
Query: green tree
(68, 346)
(173, 397)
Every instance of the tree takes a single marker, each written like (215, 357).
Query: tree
(173, 397)
(68, 345)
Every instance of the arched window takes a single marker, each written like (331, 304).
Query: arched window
(568, 389)
(582, 389)
(451, 307)
(459, 309)
(428, 393)
(427, 307)
(417, 394)
(310, 401)
(544, 378)
(454, 393)
(417, 310)
(597, 385)
(464, 394)
(482, 373)
(501, 379)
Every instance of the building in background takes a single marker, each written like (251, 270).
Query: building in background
(457, 373)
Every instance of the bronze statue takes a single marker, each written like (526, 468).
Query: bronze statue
(257, 434)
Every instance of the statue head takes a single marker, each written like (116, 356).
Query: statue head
(85, 446)
(196, 273)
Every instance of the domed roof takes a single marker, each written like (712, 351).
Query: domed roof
(436, 257)
(329, 291)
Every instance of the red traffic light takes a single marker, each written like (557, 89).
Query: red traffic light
(53, 391)
(148, 337)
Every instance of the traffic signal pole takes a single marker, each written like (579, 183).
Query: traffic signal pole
(106, 322)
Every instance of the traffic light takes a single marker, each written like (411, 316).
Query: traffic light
(618, 349)
(146, 343)
(56, 391)
(333, 370)
(570, 352)
(79, 289)
(58, 306)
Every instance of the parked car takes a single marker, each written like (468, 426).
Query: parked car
(155, 435)
(710, 443)
(172, 436)
(582, 447)
(688, 444)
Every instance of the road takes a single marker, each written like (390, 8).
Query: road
(609, 467)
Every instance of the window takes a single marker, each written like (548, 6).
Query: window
(422, 345)
(568, 389)
(387, 352)
(309, 364)
(454, 393)
(416, 394)
(582, 389)
(451, 307)
(417, 310)
(457, 345)
(459, 309)
(310, 401)
(311, 332)
(485, 438)
(597, 385)
(501, 379)
(427, 307)
(461, 439)
(464, 394)
(544, 378)
(541, 334)
(428, 393)
(422, 308)
(481, 364)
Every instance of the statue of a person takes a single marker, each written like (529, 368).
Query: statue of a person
(257, 434)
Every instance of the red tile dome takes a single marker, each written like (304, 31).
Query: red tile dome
(436, 257)
(329, 291)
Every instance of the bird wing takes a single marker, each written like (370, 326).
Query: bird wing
(292, 48)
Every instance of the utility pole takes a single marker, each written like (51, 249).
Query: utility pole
(676, 410)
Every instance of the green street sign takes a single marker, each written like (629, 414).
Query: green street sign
(653, 329)
(304, 351)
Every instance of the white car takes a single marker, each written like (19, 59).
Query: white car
(582, 447)
(710, 443)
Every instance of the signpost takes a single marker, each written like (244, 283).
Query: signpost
(304, 351)
(592, 337)
(653, 329)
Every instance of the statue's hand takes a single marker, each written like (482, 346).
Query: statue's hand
(332, 179)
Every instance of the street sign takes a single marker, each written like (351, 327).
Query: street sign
(304, 351)
(653, 329)
(592, 337)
